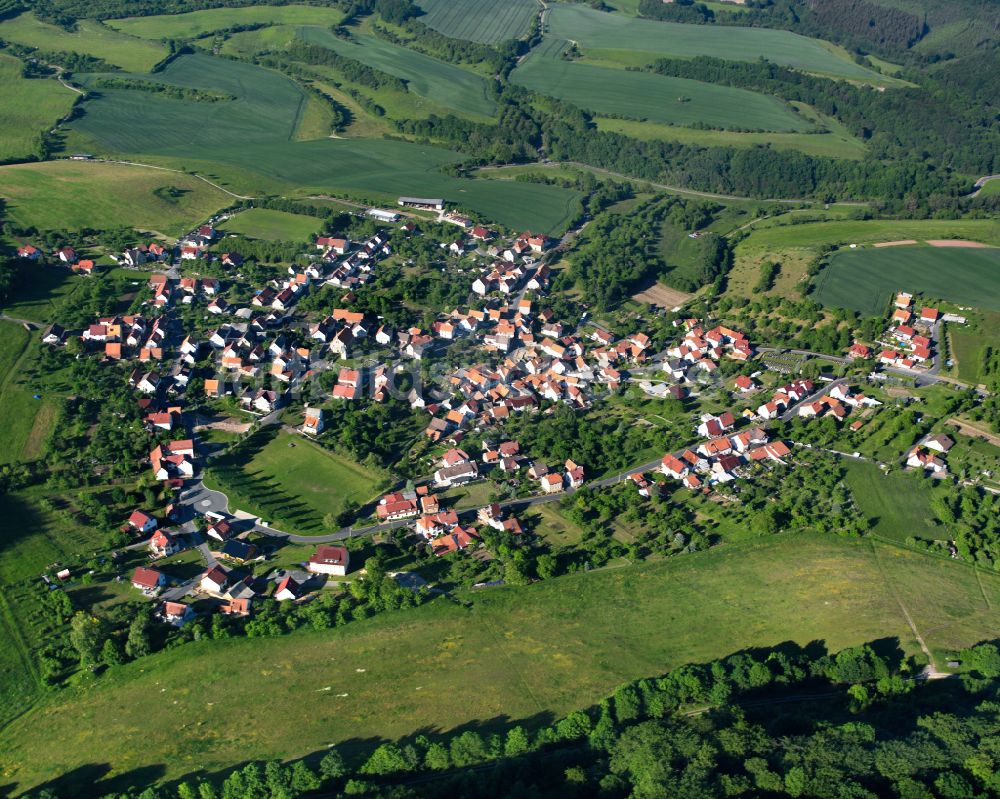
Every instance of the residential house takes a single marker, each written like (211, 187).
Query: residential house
(330, 560)
(148, 580)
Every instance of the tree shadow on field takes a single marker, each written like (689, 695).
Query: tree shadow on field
(86, 781)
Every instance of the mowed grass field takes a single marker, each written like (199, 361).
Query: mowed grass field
(196, 24)
(292, 483)
(592, 29)
(263, 223)
(645, 96)
(483, 21)
(508, 655)
(438, 81)
(864, 280)
(90, 38)
(878, 496)
(250, 139)
(78, 194)
(28, 108)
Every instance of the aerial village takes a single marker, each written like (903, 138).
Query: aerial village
(518, 358)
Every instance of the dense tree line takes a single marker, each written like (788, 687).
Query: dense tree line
(856, 24)
(958, 106)
(352, 69)
(757, 729)
(526, 128)
(164, 89)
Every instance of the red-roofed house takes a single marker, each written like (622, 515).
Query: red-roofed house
(330, 560)
(148, 580)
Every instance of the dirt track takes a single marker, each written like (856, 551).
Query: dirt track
(956, 243)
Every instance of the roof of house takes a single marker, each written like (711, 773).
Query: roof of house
(144, 577)
(329, 555)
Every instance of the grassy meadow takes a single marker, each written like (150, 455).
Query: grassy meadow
(263, 223)
(972, 344)
(445, 84)
(479, 20)
(78, 194)
(90, 38)
(865, 280)
(28, 108)
(195, 24)
(592, 29)
(292, 483)
(510, 654)
(656, 98)
(877, 496)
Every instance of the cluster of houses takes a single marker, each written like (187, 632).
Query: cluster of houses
(66, 256)
(704, 350)
(721, 458)
(837, 403)
(929, 455)
(908, 334)
(127, 338)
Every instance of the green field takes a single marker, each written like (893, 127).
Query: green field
(509, 655)
(90, 38)
(990, 188)
(438, 81)
(77, 194)
(17, 407)
(877, 496)
(263, 120)
(196, 24)
(28, 108)
(292, 483)
(793, 243)
(837, 143)
(865, 280)
(974, 343)
(645, 96)
(479, 20)
(263, 223)
(595, 29)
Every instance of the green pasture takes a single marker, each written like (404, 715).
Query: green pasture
(501, 657)
(263, 120)
(292, 483)
(864, 280)
(596, 29)
(877, 497)
(196, 24)
(79, 194)
(263, 223)
(645, 96)
(973, 344)
(483, 21)
(28, 108)
(90, 38)
(443, 83)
